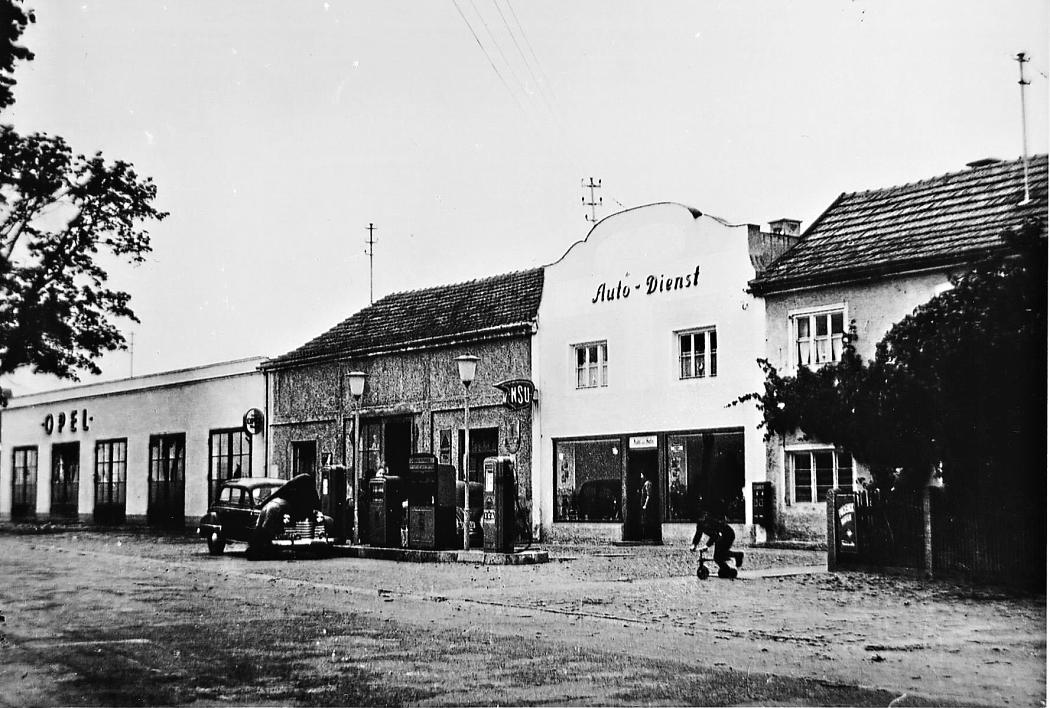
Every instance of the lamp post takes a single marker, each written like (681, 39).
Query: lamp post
(357, 387)
(468, 366)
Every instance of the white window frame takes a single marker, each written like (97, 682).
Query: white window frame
(789, 466)
(600, 365)
(709, 353)
(812, 313)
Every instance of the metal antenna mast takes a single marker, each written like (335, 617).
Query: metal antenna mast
(370, 253)
(1021, 61)
(131, 352)
(592, 204)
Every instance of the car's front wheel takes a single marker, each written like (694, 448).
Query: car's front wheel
(216, 544)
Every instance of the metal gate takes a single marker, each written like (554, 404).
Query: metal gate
(65, 480)
(167, 481)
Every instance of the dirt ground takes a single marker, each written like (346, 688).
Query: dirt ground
(94, 618)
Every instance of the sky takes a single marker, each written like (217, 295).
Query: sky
(277, 131)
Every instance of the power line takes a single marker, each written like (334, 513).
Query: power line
(524, 60)
(554, 120)
(485, 52)
(492, 37)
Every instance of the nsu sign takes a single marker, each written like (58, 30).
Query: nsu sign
(518, 394)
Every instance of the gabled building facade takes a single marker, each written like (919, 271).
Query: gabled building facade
(870, 259)
(646, 334)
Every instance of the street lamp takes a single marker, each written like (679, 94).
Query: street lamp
(357, 387)
(468, 366)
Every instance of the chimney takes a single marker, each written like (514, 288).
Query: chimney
(764, 248)
(786, 227)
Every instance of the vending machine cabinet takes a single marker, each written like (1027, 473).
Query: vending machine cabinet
(384, 515)
(421, 490)
(500, 494)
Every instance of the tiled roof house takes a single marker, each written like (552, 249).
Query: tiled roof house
(407, 344)
(869, 260)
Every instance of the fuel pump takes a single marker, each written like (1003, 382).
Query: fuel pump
(497, 516)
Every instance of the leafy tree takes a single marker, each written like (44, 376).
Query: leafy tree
(63, 217)
(960, 383)
(13, 21)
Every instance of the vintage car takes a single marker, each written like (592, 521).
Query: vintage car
(266, 513)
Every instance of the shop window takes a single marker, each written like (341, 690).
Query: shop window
(818, 336)
(814, 472)
(229, 457)
(705, 472)
(23, 482)
(111, 479)
(698, 354)
(587, 480)
(592, 362)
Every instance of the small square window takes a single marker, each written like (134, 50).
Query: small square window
(592, 365)
(698, 354)
(818, 337)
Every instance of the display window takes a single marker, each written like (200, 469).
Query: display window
(588, 480)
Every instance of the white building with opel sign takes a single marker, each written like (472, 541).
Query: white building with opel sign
(645, 336)
(148, 449)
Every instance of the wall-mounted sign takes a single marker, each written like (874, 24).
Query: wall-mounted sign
(652, 284)
(76, 420)
(517, 393)
(253, 421)
(642, 442)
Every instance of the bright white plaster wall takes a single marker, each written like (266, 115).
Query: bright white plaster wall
(193, 401)
(645, 394)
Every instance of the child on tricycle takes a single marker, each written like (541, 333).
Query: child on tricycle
(720, 535)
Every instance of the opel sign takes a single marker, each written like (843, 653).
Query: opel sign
(517, 393)
(253, 421)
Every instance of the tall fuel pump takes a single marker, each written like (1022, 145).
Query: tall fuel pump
(500, 495)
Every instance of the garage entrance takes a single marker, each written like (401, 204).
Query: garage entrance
(167, 481)
(65, 480)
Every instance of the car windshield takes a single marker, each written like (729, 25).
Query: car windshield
(263, 493)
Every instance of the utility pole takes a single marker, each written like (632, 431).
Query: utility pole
(370, 253)
(1021, 61)
(592, 204)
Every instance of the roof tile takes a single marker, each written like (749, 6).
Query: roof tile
(952, 217)
(434, 316)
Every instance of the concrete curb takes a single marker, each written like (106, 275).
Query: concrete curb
(411, 555)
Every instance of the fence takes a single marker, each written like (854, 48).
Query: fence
(874, 531)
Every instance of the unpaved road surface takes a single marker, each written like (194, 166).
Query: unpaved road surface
(96, 618)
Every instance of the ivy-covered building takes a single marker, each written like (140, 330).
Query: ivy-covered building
(869, 260)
